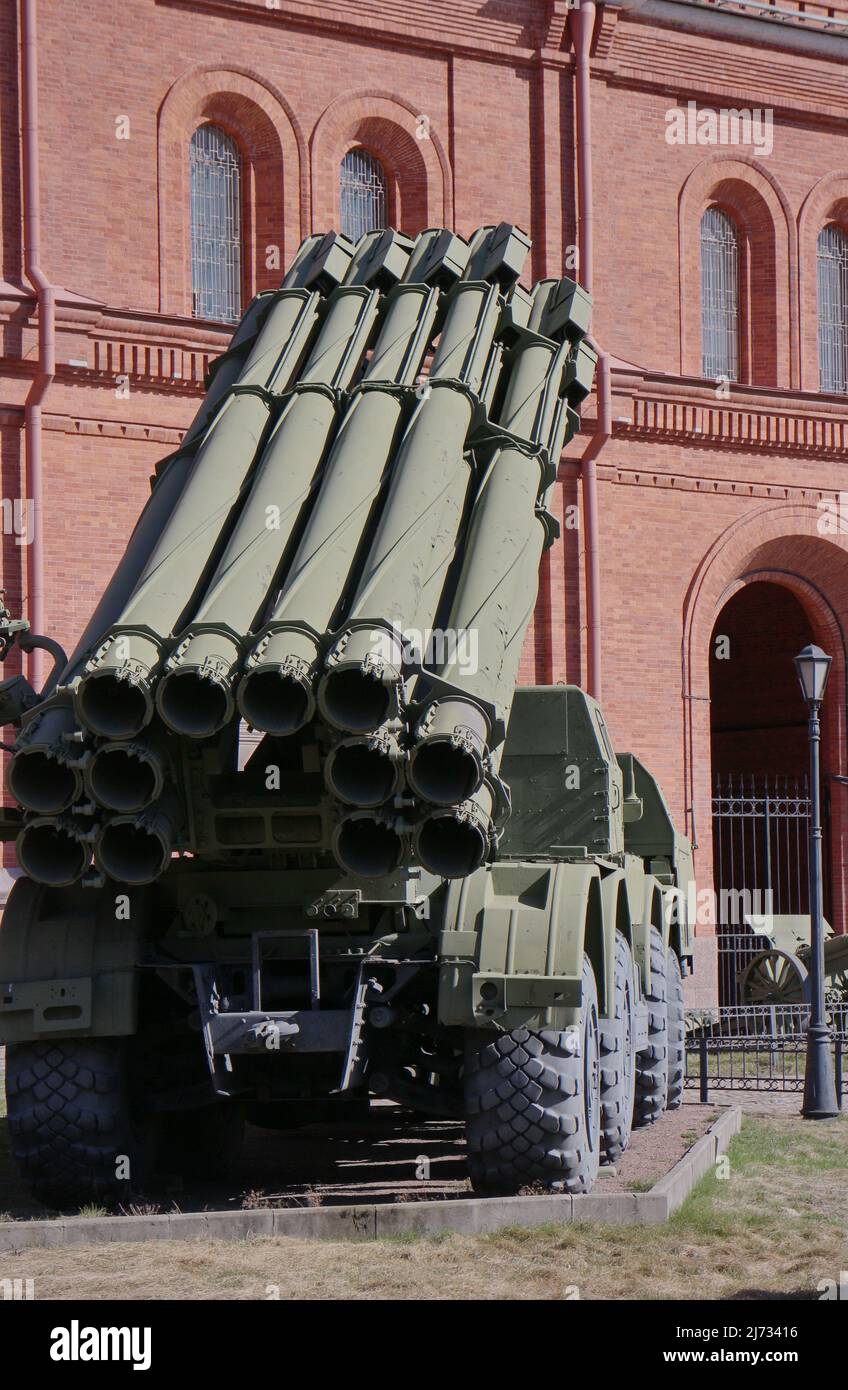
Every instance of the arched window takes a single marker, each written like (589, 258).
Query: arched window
(833, 309)
(719, 296)
(363, 194)
(216, 274)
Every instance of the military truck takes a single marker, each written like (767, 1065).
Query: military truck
(292, 836)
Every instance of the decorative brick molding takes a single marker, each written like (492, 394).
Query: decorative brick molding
(711, 69)
(751, 196)
(275, 194)
(799, 433)
(407, 145)
(511, 29)
(97, 343)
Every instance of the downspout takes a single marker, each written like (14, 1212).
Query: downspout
(582, 30)
(46, 302)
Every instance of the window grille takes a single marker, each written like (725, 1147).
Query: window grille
(719, 296)
(363, 194)
(833, 309)
(215, 225)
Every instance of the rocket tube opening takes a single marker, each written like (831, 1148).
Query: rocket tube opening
(193, 705)
(444, 774)
(112, 707)
(131, 853)
(449, 847)
(42, 783)
(362, 775)
(355, 700)
(367, 847)
(50, 854)
(274, 702)
(122, 781)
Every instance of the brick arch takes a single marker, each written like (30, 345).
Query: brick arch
(827, 201)
(274, 175)
(418, 171)
(768, 257)
(779, 544)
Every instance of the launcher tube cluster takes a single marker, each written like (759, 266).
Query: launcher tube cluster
(372, 462)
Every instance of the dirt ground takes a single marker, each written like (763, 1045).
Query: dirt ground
(776, 1227)
(390, 1157)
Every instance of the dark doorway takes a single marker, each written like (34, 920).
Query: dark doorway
(759, 769)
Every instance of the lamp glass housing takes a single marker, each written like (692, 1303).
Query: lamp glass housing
(813, 667)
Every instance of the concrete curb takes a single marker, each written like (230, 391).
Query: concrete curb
(474, 1216)
(675, 1187)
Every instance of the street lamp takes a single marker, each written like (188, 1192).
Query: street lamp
(820, 1103)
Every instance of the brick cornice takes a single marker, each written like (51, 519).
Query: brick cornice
(643, 55)
(169, 351)
(451, 32)
(685, 410)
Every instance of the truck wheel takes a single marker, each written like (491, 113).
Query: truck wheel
(652, 1063)
(73, 1132)
(532, 1105)
(618, 1059)
(676, 1034)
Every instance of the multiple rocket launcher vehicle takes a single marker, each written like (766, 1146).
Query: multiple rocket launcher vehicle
(390, 399)
(425, 883)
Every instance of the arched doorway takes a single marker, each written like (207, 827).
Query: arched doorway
(759, 765)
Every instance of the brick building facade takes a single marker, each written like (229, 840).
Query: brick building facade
(710, 493)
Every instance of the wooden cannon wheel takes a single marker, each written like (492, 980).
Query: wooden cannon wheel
(773, 976)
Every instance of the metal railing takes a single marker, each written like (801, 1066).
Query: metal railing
(758, 1048)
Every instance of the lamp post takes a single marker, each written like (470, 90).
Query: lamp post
(813, 667)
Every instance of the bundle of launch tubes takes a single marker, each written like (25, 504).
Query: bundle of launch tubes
(350, 534)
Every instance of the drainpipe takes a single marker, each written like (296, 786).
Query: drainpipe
(582, 30)
(46, 302)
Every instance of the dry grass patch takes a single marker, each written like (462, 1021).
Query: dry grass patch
(775, 1227)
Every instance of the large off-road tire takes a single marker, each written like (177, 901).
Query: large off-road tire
(652, 1063)
(676, 1033)
(618, 1058)
(532, 1106)
(74, 1134)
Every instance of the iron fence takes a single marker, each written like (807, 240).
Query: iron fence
(760, 839)
(758, 1048)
